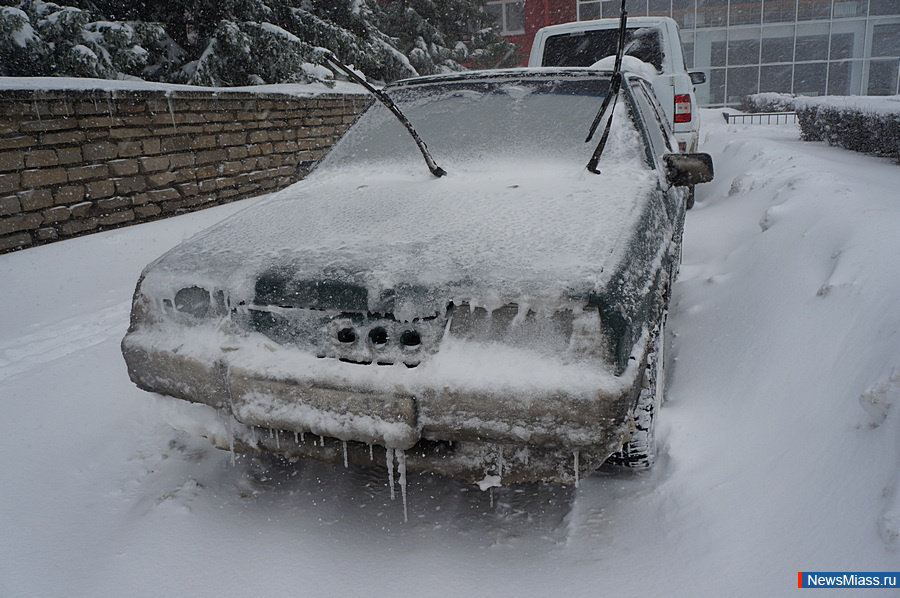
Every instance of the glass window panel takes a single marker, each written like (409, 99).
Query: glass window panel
(717, 54)
(813, 10)
(611, 8)
(515, 16)
(742, 82)
(744, 13)
(683, 12)
(775, 78)
(588, 11)
(812, 47)
(712, 13)
(882, 77)
(662, 8)
(717, 86)
(635, 8)
(839, 78)
(841, 46)
(743, 51)
(849, 8)
(495, 14)
(778, 49)
(779, 11)
(809, 79)
(883, 7)
(886, 39)
(688, 54)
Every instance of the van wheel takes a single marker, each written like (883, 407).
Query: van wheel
(640, 451)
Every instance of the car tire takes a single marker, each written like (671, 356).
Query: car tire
(641, 450)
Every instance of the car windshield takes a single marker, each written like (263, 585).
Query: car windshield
(584, 48)
(471, 121)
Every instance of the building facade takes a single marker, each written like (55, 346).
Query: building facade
(807, 47)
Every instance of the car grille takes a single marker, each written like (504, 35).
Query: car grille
(355, 337)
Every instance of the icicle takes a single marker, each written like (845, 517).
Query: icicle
(302, 436)
(172, 112)
(401, 467)
(500, 463)
(231, 439)
(389, 461)
(278, 439)
(371, 454)
(270, 433)
(322, 440)
(577, 454)
(491, 492)
(344, 446)
(296, 437)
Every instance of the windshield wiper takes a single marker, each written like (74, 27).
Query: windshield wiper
(389, 104)
(612, 94)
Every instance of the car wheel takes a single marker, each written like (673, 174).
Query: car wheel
(690, 197)
(640, 451)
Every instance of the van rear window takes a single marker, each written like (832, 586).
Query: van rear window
(584, 48)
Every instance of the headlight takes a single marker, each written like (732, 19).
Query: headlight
(192, 300)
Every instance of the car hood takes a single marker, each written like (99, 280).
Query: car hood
(404, 242)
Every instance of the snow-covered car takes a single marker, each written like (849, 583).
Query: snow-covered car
(500, 324)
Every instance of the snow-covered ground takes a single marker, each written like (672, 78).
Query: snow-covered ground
(781, 430)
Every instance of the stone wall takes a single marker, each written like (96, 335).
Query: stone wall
(74, 162)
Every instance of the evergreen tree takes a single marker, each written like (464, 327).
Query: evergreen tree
(245, 42)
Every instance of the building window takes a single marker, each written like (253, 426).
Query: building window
(841, 46)
(886, 40)
(717, 86)
(809, 78)
(848, 8)
(883, 7)
(838, 78)
(775, 78)
(661, 8)
(779, 11)
(742, 81)
(777, 49)
(883, 77)
(508, 14)
(588, 11)
(813, 10)
(745, 13)
(745, 51)
(812, 47)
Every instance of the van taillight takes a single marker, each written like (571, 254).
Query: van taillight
(682, 108)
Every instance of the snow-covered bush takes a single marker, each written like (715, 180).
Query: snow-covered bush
(869, 124)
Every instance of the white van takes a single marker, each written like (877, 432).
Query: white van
(654, 40)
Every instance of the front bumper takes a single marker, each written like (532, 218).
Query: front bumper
(282, 400)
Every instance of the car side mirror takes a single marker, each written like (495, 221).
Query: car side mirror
(697, 77)
(684, 170)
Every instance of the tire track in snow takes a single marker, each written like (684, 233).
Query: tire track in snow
(60, 339)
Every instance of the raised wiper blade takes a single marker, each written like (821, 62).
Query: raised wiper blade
(612, 94)
(390, 105)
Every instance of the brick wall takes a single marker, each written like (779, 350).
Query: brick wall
(74, 162)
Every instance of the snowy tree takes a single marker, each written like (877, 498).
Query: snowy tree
(245, 42)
